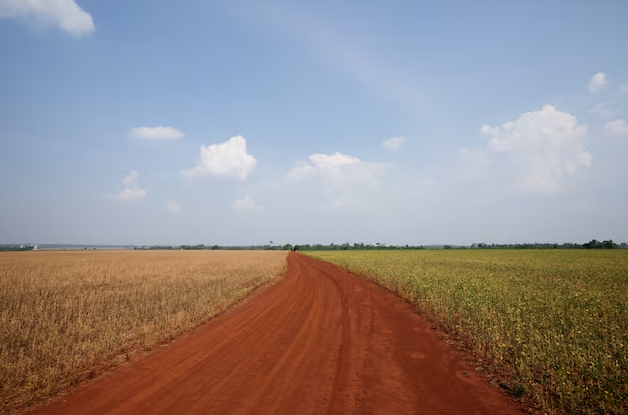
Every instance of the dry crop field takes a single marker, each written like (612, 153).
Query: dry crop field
(64, 316)
(553, 321)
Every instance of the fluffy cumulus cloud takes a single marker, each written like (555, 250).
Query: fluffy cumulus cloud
(538, 151)
(228, 159)
(63, 14)
(336, 180)
(394, 143)
(173, 206)
(156, 133)
(598, 82)
(617, 127)
(245, 203)
(130, 189)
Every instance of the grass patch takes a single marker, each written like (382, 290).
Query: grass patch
(63, 314)
(557, 321)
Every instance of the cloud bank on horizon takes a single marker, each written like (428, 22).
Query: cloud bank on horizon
(353, 131)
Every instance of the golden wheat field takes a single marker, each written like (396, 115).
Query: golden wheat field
(65, 316)
(555, 321)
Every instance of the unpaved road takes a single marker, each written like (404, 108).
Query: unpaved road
(321, 341)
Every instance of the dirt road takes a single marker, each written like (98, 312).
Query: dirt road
(321, 341)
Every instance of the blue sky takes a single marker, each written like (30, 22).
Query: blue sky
(235, 122)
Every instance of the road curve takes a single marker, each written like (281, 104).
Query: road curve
(321, 341)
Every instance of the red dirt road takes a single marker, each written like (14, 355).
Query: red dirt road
(321, 341)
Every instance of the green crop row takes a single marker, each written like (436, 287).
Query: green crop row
(556, 321)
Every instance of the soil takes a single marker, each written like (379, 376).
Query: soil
(321, 341)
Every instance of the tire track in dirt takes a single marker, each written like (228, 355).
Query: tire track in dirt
(342, 369)
(321, 341)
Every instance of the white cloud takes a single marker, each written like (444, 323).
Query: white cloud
(130, 189)
(322, 164)
(64, 14)
(537, 151)
(336, 180)
(245, 203)
(394, 143)
(156, 133)
(173, 206)
(598, 82)
(623, 89)
(617, 127)
(227, 159)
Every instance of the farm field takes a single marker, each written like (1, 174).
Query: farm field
(553, 321)
(66, 315)
(319, 341)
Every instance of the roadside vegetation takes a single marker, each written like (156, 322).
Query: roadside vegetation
(65, 316)
(554, 321)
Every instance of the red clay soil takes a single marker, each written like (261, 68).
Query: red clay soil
(321, 341)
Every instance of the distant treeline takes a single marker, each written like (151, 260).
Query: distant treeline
(290, 247)
(16, 248)
(594, 244)
(286, 247)
(230, 248)
(352, 247)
